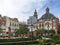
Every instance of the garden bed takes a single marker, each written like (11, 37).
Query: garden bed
(20, 43)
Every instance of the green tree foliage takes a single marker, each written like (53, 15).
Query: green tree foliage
(45, 33)
(46, 42)
(51, 31)
(56, 38)
(39, 31)
(41, 42)
(23, 29)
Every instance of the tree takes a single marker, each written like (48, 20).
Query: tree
(45, 33)
(39, 32)
(52, 31)
(49, 33)
(23, 29)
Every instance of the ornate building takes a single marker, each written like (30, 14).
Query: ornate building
(6, 22)
(47, 21)
(32, 20)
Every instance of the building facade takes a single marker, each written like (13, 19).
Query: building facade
(47, 21)
(31, 21)
(6, 22)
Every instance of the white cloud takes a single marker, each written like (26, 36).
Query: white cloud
(15, 8)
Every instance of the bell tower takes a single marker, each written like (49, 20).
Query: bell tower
(35, 14)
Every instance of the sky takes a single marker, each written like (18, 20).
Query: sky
(22, 9)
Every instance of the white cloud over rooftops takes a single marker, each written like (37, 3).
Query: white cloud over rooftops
(20, 9)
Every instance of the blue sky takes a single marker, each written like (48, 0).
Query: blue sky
(22, 9)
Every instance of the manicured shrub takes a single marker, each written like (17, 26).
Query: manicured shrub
(46, 42)
(19, 43)
(56, 39)
(15, 40)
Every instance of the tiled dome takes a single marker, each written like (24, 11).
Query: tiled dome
(47, 15)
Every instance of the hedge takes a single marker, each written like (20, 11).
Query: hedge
(15, 40)
(56, 39)
(20, 43)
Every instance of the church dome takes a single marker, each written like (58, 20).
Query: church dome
(47, 15)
